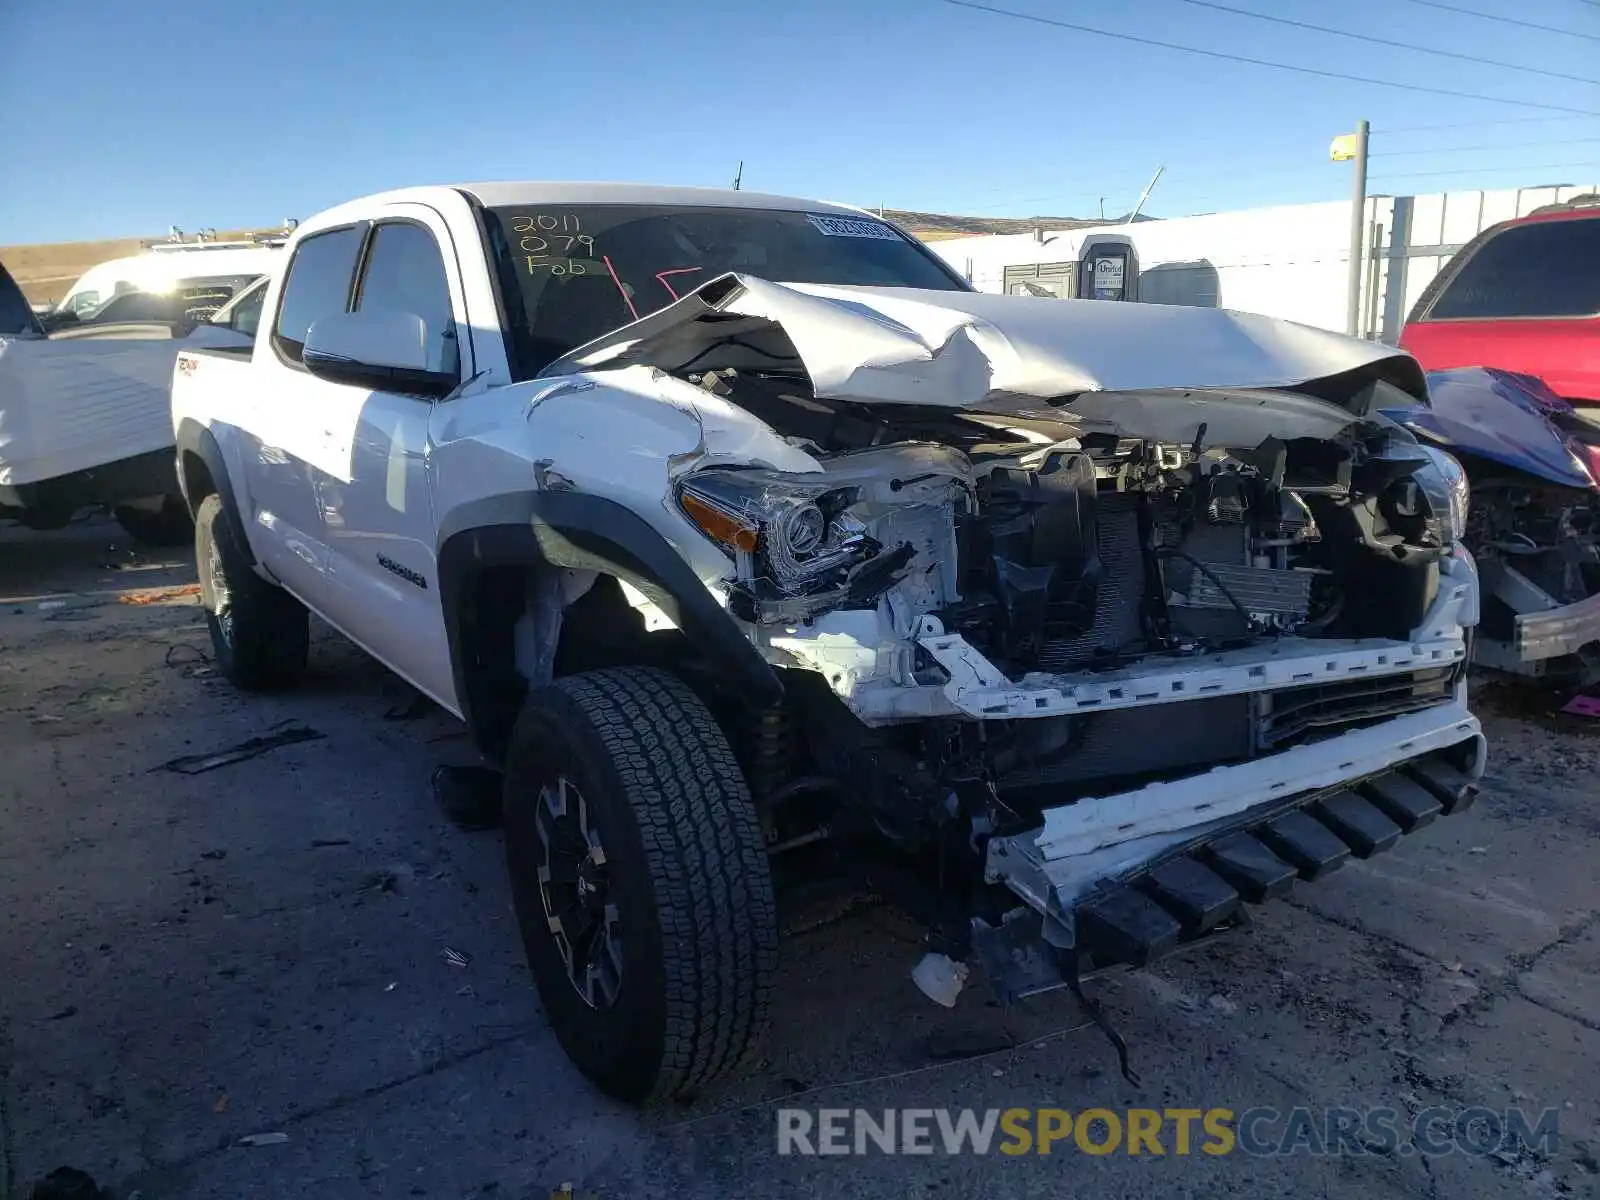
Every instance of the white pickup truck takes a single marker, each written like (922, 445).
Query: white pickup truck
(85, 416)
(743, 534)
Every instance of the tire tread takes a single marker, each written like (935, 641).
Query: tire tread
(710, 877)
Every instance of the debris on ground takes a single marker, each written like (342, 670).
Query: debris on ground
(263, 1139)
(68, 1183)
(953, 1045)
(470, 796)
(455, 958)
(195, 659)
(158, 595)
(1582, 706)
(196, 764)
(391, 878)
(416, 707)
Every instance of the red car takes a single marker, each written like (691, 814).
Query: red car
(1524, 296)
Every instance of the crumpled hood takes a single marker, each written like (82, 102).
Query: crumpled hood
(1503, 417)
(975, 350)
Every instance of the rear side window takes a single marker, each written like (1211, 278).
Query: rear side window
(1542, 269)
(318, 284)
(405, 273)
(200, 297)
(246, 315)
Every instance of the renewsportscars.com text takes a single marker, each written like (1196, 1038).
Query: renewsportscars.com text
(1259, 1132)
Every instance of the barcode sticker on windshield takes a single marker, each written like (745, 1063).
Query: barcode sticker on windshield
(854, 227)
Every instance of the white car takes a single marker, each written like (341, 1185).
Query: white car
(737, 527)
(85, 415)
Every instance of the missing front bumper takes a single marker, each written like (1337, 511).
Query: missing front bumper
(1134, 877)
(1557, 632)
(1541, 629)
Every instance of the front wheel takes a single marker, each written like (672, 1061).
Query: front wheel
(640, 881)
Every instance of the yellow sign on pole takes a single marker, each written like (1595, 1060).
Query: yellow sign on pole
(1343, 148)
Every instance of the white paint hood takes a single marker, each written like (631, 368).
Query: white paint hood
(983, 352)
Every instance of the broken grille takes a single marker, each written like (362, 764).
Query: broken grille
(1297, 714)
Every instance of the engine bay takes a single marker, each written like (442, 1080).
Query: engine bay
(1053, 548)
(1008, 607)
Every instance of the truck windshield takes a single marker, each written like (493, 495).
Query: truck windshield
(569, 273)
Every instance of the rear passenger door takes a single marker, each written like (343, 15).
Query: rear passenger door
(286, 444)
(376, 503)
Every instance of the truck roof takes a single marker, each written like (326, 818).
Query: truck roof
(511, 192)
(544, 192)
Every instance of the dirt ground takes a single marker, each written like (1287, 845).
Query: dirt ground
(193, 959)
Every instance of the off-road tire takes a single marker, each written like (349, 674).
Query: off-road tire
(170, 526)
(260, 634)
(688, 874)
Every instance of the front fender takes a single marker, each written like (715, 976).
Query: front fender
(590, 533)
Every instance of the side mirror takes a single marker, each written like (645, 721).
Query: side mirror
(384, 350)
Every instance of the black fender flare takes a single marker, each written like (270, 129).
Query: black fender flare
(194, 438)
(591, 533)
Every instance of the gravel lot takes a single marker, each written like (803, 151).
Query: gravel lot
(193, 959)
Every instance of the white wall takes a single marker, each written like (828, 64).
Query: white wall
(1291, 261)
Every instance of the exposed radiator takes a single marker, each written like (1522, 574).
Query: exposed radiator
(1257, 589)
(1116, 614)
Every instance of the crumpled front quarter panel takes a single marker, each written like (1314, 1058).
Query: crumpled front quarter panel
(625, 436)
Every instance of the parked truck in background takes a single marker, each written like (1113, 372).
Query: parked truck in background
(739, 530)
(85, 416)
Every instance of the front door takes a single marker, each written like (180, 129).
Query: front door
(285, 444)
(374, 494)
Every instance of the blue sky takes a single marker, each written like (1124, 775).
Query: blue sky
(123, 118)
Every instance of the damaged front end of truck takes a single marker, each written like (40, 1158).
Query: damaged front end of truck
(1097, 623)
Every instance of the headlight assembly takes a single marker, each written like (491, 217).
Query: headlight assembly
(802, 544)
(1444, 482)
(790, 534)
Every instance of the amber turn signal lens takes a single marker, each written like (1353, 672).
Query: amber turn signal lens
(718, 525)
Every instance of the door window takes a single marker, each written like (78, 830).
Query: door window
(405, 273)
(245, 316)
(318, 284)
